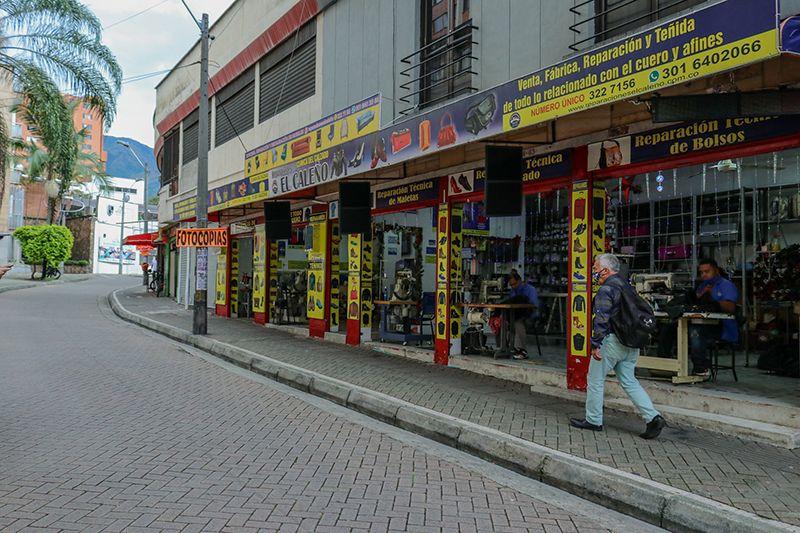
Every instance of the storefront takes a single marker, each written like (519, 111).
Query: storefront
(723, 190)
(660, 197)
(404, 241)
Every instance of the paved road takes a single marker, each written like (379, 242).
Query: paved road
(754, 477)
(104, 426)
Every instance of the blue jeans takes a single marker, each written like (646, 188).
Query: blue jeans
(701, 338)
(622, 360)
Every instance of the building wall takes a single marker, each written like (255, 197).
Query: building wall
(242, 23)
(7, 248)
(81, 118)
(107, 225)
(364, 41)
(233, 32)
(35, 198)
(35, 203)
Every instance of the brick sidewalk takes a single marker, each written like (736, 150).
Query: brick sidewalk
(754, 477)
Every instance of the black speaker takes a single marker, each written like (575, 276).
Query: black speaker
(355, 204)
(503, 192)
(278, 220)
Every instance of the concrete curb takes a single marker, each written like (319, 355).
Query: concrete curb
(642, 498)
(31, 285)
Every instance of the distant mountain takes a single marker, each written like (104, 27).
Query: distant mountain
(122, 164)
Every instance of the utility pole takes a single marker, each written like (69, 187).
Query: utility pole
(200, 322)
(125, 198)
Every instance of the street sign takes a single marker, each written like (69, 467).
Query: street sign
(202, 237)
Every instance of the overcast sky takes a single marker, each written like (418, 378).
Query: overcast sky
(150, 42)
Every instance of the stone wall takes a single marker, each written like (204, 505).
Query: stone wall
(82, 229)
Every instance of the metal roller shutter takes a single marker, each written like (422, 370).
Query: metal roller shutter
(191, 128)
(235, 107)
(288, 82)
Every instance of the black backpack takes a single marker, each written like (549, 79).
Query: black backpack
(634, 322)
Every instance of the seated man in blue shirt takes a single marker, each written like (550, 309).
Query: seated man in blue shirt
(722, 294)
(521, 292)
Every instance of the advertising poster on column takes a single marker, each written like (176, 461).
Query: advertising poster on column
(222, 277)
(317, 285)
(580, 270)
(259, 270)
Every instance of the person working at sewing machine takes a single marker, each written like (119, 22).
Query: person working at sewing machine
(718, 294)
(521, 292)
(714, 293)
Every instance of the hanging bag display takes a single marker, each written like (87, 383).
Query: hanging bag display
(447, 130)
(794, 205)
(676, 251)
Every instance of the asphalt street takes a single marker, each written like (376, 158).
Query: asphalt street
(106, 426)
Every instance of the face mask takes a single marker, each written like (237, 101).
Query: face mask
(596, 276)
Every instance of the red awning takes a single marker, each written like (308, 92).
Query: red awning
(143, 239)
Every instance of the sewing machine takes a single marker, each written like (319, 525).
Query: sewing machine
(400, 311)
(291, 297)
(493, 290)
(659, 288)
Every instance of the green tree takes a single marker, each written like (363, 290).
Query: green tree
(45, 244)
(50, 46)
(86, 167)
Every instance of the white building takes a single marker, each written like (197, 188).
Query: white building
(117, 207)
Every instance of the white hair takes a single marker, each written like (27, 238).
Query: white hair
(609, 261)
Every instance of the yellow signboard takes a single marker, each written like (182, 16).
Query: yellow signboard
(353, 276)
(259, 270)
(317, 285)
(580, 242)
(716, 39)
(222, 277)
(356, 121)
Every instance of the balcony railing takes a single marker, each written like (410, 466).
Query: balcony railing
(440, 70)
(596, 21)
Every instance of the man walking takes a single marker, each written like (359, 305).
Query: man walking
(609, 353)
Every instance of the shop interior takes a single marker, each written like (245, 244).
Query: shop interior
(403, 281)
(242, 278)
(290, 306)
(743, 213)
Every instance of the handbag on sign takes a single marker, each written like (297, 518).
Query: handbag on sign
(447, 130)
(400, 139)
(301, 146)
(580, 208)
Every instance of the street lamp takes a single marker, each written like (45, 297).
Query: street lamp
(144, 166)
(125, 198)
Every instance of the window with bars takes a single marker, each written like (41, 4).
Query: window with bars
(288, 73)
(235, 107)
(444, 60)
(597, 21)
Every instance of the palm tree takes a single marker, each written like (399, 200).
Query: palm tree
(50, 46)
(87, 168)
